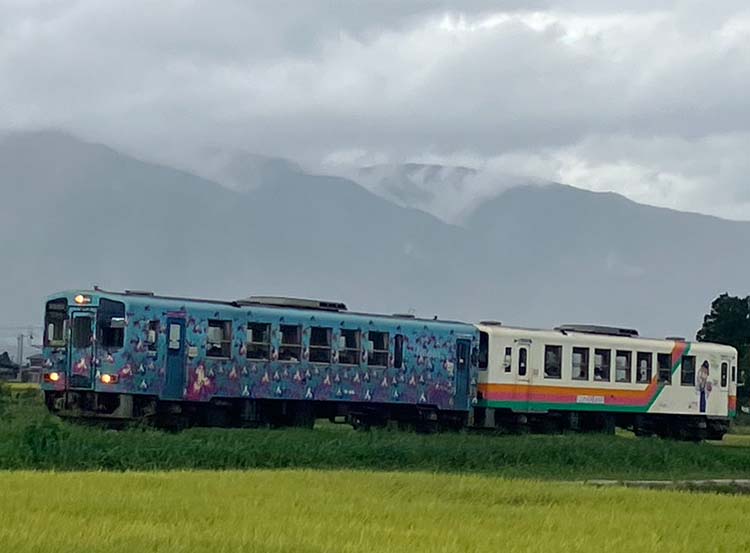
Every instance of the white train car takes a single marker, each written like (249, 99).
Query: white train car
(590, 377)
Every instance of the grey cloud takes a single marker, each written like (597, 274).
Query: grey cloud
(648, 100)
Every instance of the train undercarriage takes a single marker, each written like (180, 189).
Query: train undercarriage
(678, 427)
(125, 409)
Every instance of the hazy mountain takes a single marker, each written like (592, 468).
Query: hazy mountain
(582, 256)
(73, 214)
(413, 184)
(449, 193)
(77, 214)
(239, 170)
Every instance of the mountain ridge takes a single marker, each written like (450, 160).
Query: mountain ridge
(81, 213)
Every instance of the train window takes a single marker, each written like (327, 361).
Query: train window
(56, 325)
(219, 338)
(484, 353)
(552, 361)
(320, 344)
(581, 363)
(258, 341)
(398, 351)
(82, 332)
(643, 370)
(734, 374)
(602, 364)
(687, 377)
(111, 337)
(349, 348)
(724, 374)
(665, 367)
(507, 361)
(379, 355)
(522, 355)
(291, 343)
(111, 324)
(623, 366)
(55, 322)
(152, 335)
(175, 337)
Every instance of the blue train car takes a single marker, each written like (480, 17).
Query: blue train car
(266, 360)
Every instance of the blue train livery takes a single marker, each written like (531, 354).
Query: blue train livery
(264, 360)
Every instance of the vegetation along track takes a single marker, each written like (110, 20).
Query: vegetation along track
(32, 439)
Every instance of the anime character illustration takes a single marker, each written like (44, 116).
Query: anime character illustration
(703, 385)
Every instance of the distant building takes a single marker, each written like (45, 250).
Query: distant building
(8, 369)
(33, 371)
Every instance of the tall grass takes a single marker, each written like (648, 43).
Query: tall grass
(32, 439)
(308, 511)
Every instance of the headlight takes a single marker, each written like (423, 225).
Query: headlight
(52, 377)
(108, 378)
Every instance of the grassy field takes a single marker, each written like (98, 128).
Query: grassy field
(32, 439)
(20, 389)
(22, 386)
(311, 511)
(737, 440)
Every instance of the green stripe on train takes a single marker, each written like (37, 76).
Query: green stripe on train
(543, 407)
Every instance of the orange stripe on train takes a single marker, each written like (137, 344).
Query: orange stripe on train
(488, 388)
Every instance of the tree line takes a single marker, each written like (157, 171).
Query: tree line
(728, 323)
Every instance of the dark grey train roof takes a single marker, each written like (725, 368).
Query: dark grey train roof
(301, 303)
(599, 329)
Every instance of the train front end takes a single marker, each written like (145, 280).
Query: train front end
(74, 323)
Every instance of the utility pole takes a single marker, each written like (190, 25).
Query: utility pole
(19, 355)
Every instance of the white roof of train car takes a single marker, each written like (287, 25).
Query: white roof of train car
(611, 341)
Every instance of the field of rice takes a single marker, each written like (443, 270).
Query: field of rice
(66, 487)
(350, 511)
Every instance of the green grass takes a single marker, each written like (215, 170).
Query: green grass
(308, 511)
(32, 439)
(22, 386)
(738, 440)
(21, 389)
(741, 424)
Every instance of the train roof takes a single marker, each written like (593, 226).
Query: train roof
(592, 334)
(266, 302)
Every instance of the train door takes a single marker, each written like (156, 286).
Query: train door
(82, 350)
(732, 387)
(463, 370)
(174, 382)
(523, 374)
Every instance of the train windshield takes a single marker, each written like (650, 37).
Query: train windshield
(111, 324)
(56, 322)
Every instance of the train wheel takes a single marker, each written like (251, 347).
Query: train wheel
(608, 425)
(303, 416)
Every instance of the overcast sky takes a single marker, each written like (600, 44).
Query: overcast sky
(650, 102)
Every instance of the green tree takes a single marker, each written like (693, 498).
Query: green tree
(729, 323)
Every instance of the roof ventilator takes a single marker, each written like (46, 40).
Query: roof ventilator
(297, 303)
(601, 330)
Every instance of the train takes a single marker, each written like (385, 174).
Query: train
(174, 362)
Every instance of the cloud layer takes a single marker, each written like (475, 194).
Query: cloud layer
(649, 102)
